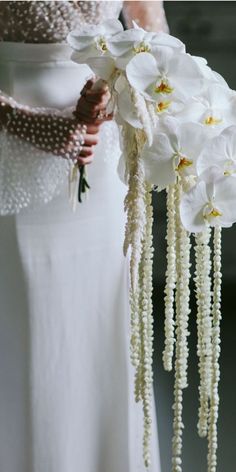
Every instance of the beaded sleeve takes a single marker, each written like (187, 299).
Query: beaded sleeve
(37, 147)
(47, 129)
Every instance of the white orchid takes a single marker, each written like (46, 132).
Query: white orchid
(215, 108)
(173, 153)
(208, 73)
(209, 203)
(127, 108)
(166, 77)
(93, 40)
(126, 44)
(91, 46)
(220, 154)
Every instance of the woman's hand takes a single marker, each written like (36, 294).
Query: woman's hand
(91, 139)
(56, 133)
(91, 107)
(91, 111)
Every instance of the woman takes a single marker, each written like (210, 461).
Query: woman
(66, 395)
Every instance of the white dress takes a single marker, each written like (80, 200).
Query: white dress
(66, 383)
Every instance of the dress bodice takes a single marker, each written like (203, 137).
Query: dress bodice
(51, 21)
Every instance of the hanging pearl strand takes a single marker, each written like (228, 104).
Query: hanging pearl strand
(182, 315)
(135, 209)
(146, 326)
(204, 325)
(134, 202)
(216, 315)
(170, 280)
(141, 371)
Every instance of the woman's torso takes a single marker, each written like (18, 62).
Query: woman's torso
(37, 73)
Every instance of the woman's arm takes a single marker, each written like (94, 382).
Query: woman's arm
(59, 132)
(148, 15)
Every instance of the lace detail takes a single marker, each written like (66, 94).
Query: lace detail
(50, 22)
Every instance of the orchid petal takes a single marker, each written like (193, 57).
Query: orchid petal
(191, 208)
(163, 39)
(124, 41)
(127, 109)
(219, 152)
(158, 162)
(225, 198)
(185, 75)
(142, 71)
(103, 66)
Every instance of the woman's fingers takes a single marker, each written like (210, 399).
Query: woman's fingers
(96, 97)
(87, 86)
(95, 119)
(86, 155)
(92, 129)
(84, 161)
(98, 121)
(90, 109)
(86, 151)
(91, 139)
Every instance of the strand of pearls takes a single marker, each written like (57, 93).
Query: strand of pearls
(146, 326)
(216, 315)
(134, 231)
(170, 280)
(182, 314)
(138, 236)
(138, 204)
(204, 325)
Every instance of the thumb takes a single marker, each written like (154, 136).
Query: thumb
(87, 86)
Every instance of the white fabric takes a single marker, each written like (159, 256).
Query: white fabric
(66, 393)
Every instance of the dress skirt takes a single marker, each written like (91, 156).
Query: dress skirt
(66, 382)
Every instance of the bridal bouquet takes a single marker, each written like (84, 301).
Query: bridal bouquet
(178, 122)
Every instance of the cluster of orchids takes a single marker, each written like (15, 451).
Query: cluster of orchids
(178, 122)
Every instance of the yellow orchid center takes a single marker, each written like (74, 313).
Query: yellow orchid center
(181, 162)
(229, 168)
(229, 172)
(142, 47)
(214, 212)
(101, 44)
(184, 162)
(210, 212)
(164, 87)
(162, 106)
(210, 121)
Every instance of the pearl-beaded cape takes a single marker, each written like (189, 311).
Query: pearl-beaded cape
(66, 394)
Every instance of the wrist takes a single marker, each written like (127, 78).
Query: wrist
(6, 112)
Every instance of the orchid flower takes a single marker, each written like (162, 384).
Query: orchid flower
(93, 40)
(208, 73)
(127, 108)
(167, 76)
(173, 153)
(220, 153)
(126, 44)
(209, 204)
(215, 108)
(91, 46)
